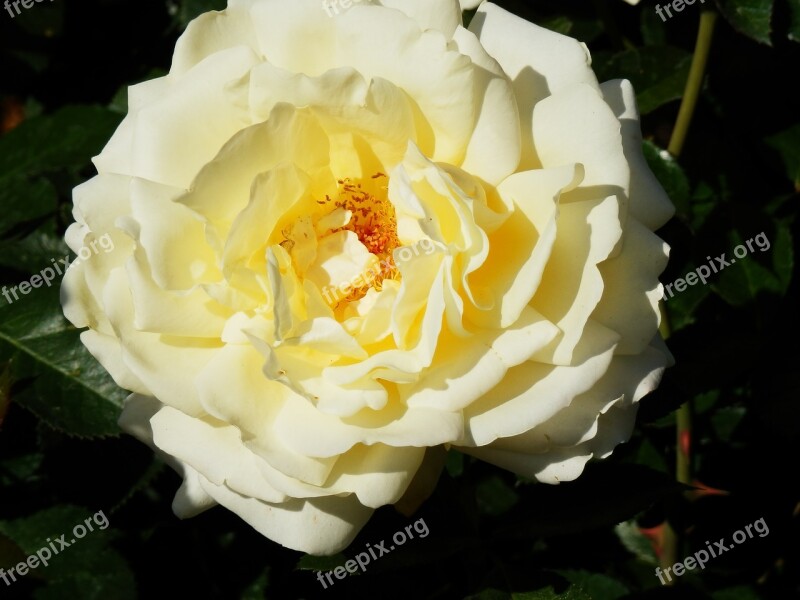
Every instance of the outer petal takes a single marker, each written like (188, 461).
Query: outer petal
(515, 405)
(166, 366)
(648, 201)
(108, 352)
(538, 61)
(593, 424)
(213, 449)
(213, 32)
(320, 526)
(632, 291)
(576, 125)
(517, 44)
(97, 204)
(164, 143)
(190, 500)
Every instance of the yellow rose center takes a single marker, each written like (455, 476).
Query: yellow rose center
(373, 219)
(356, 234)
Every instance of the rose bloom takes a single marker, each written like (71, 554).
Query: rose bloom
(296, 145)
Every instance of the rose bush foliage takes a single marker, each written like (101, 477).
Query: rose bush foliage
(290, 150)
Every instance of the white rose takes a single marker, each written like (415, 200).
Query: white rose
(494, 190)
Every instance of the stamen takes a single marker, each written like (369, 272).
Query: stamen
(375, 223)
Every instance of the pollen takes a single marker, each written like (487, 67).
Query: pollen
(374, 222)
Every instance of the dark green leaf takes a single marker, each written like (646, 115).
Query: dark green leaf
(653, 28)
(544, 593)
(658, 73)
(10, 553)
(595, 585)
(88, 568)
(257, 590)
(67, 138)
(21, 468)
(580, 29)
(726, 420)
(424, 551)
(649, 456)
(787, 143)
(495, 496)
(736, 593)
(47, 20)
(682, 306)
(750, 17)
(572, 593)
(750, 275)
(320, 563)
(783, 254)
(705, 402)
(34, 252)
(704, 201)
(490, 594)
(24, 200)
(794, 23)
(670, 174)
(455, 463)
(559, 24)
(119, 103)
(36, 61)
(70, 390)
(635, 542)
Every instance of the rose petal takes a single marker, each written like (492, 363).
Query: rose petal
(538, 61)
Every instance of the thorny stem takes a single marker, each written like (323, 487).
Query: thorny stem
(683, 443)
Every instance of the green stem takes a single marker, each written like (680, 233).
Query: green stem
(671, 542)
(708, 19)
